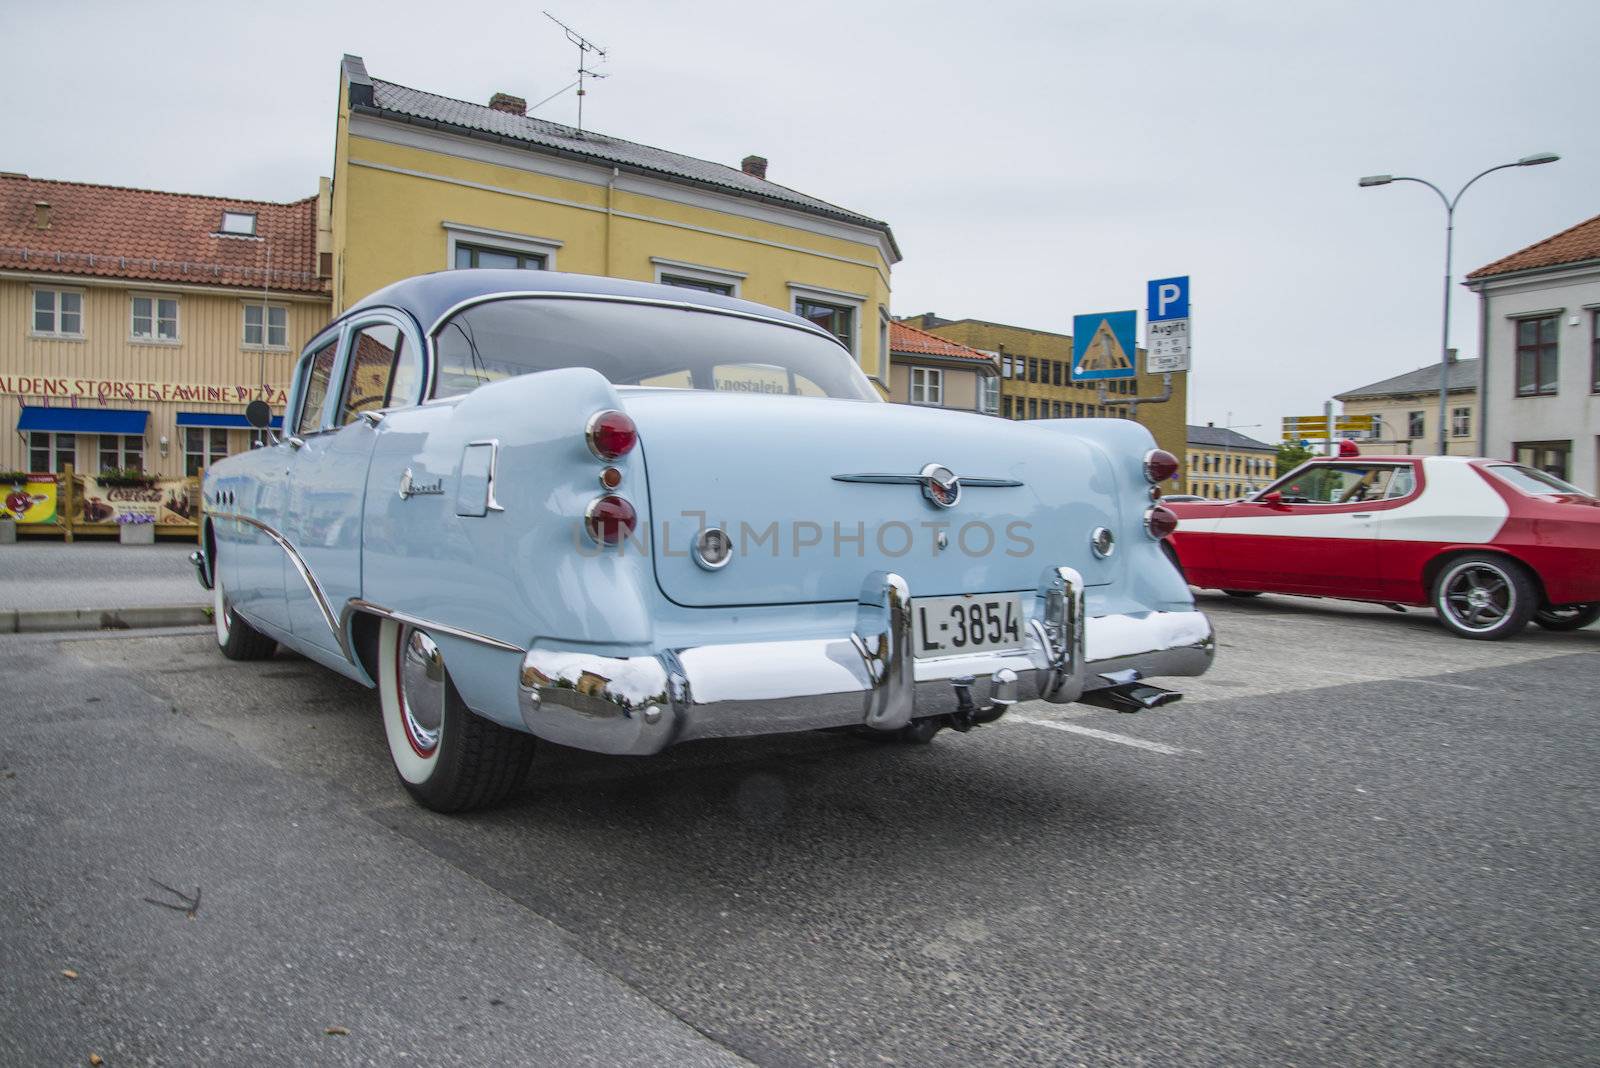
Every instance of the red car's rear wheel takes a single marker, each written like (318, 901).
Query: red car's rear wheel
(1484, 597)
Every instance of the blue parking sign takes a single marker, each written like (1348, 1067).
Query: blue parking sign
(1103, 346)
(1167, 298)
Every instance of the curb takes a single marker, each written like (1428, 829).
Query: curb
(34, 621)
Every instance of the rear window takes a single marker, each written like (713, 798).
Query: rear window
(1530, 480)
(641, 345)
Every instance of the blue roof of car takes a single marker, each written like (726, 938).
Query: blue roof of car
(429, 296)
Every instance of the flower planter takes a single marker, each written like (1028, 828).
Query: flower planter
(8, 531)
(137, 533)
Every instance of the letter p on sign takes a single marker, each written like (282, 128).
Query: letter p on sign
(1167, 298)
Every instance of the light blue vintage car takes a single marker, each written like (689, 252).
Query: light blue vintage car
(617, 516)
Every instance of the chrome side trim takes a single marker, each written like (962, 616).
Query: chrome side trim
(357, 604)
(917, 480)
(299, 565)
(202, 567)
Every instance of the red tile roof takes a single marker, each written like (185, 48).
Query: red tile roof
(905, 339)
(143, 234)
(1573, 245)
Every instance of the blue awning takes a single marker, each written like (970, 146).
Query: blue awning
(83, 420)
(222, 420)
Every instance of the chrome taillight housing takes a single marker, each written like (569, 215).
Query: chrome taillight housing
(1159, 465)
(1160, 521)
(610, 520)
(611, 434)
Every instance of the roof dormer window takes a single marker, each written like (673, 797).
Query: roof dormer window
(238, 223)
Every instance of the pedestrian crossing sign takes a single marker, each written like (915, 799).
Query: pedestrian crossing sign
(1103, 346)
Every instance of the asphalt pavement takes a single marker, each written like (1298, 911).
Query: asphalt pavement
(1360, 840)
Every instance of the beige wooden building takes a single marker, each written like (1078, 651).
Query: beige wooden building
(136, 325)
(929, 370)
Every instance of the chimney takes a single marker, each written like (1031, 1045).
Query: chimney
(754, 166)
(511, 105)
(1451, 355)
(41, 215)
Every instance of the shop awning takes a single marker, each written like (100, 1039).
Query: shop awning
(83, 420)
(222, 420)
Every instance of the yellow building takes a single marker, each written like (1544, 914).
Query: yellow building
(1224, 464)
(1036, 381)
(136, 325)
(423, 182)
(1405, 411)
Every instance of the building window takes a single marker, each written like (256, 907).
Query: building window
(1005, 366)
(51, 452)
(705, 279)
(1056, 369)
(1005, 407)
(1551, 457)
(1460, 422)
(1594, 352)
(58, 313)
(202, 447)
(153, 319)
(927, 385)
(1033, 407)
(989, 395)
(122, 452)
(685, 282)
(470, 256)
(238, 224)
(1414, 427)
(1033, 369)
(1536, 357)
(834, 318)
(276, 326)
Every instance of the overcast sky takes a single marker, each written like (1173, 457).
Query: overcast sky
(1035, 161)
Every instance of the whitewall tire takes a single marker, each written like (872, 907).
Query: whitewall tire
(448, 757)
(237, 639)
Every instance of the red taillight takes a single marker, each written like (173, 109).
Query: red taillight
(611, 434)
(1159, 465)
(610, 520)
(1160, 521)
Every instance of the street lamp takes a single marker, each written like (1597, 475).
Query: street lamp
(1449, 240)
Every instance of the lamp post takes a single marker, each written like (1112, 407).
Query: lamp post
(1449, 242)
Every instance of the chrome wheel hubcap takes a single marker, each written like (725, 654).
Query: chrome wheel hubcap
(421, 689)
(1478, 597)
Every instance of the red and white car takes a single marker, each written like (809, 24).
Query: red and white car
(1487, 543)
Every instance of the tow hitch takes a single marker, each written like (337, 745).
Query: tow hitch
(968, 714)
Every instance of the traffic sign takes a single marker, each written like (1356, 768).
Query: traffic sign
(1167, 325)
(1103, 346)
(1167, 298)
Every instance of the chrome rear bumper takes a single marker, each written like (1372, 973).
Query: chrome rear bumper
(641, 704)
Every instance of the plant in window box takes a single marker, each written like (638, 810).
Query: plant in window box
(125, 476)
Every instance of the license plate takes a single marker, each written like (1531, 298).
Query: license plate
(978, 623)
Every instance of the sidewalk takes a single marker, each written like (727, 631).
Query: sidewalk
(51, 575)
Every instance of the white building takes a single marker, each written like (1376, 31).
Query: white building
(1539, 325)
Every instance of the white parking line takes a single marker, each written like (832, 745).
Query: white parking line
(1104, 736)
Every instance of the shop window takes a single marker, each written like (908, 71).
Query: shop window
(1414, 428)
(1460, 422)
(266, 326)
(202, 447)
(1551, 457)
(384, 371)
(51, 452)
(316, 374)
(121, 452)
(1537, 363)
(927, 385)
(58, 313)
(153, 319)
(836, 319)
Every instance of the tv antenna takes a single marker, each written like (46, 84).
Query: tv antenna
(586, 48)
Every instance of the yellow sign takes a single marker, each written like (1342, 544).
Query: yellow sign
(31, 500)
(102, 389)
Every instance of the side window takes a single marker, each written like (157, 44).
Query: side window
(384, 371)
(314, 389)
(1403, 482)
